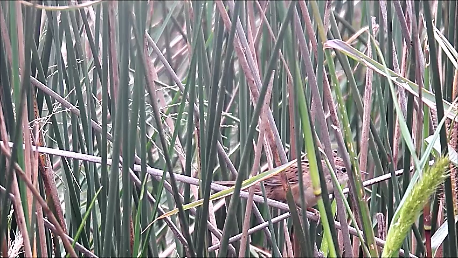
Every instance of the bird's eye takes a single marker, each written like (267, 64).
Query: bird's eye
(344, 170)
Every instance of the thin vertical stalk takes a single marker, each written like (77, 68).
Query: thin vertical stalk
(247, 149)
(181, 215)
(213, 122)
(366, 220)
(104, 181)
(118, 131)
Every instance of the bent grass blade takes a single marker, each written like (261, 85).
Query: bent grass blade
(427, 96)
(247, 183)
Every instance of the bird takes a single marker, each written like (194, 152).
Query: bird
(275, 191)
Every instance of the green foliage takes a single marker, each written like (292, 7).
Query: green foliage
(141, 109)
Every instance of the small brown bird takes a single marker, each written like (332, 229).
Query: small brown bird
(275, 191)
